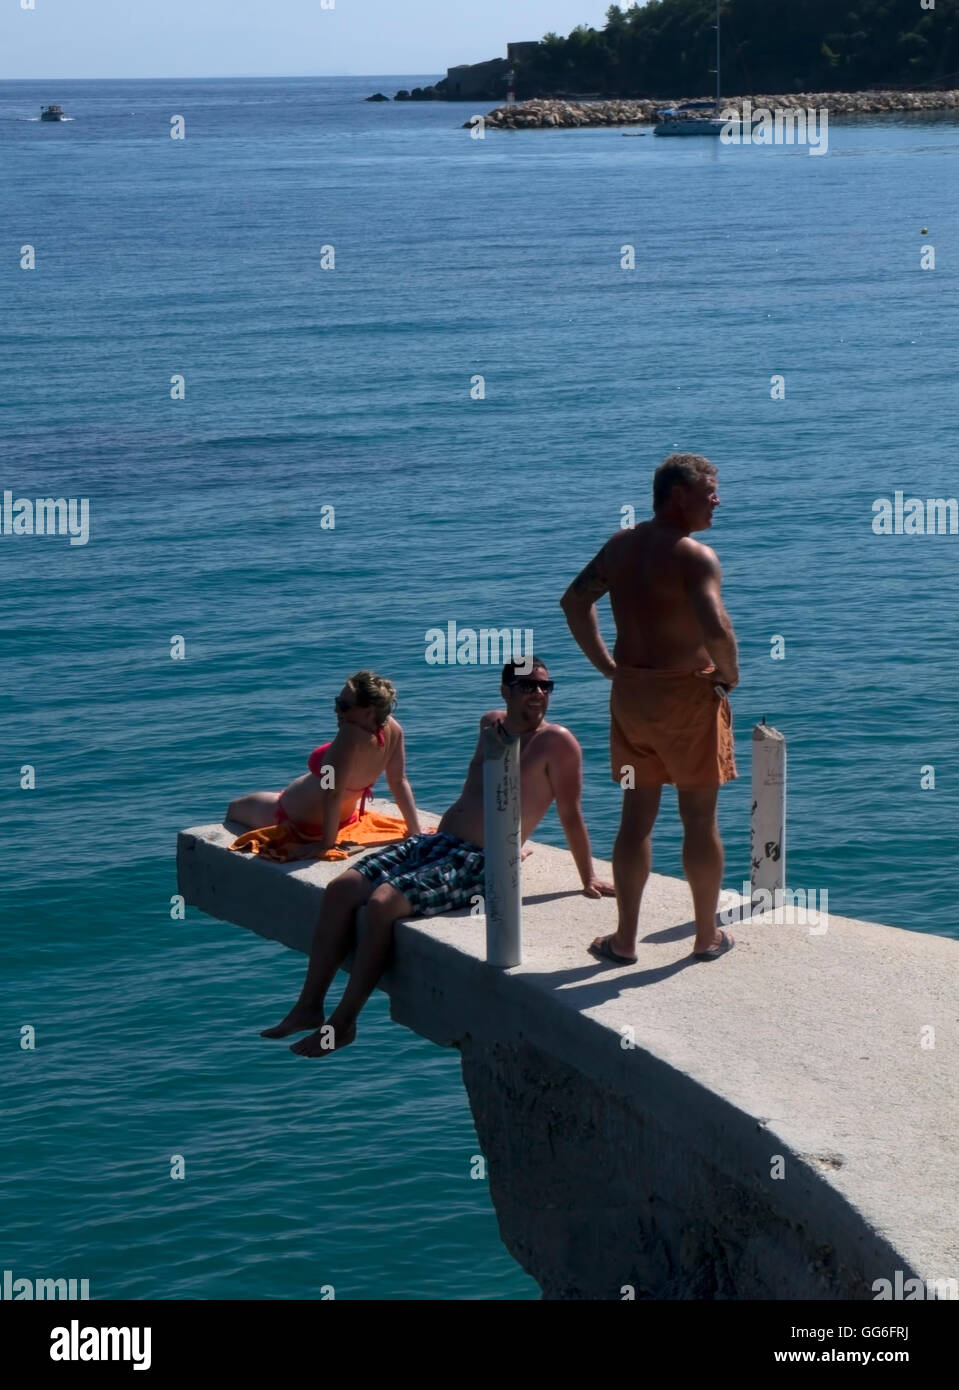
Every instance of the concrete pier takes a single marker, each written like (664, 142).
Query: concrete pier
(780, 1123)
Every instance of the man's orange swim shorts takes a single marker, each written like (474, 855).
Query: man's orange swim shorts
(669, 727)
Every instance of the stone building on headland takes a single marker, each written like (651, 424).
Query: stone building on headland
(523, 52)
(484, 80)
(487, 81)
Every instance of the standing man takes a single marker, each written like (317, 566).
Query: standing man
(428, 874)
(674, 662)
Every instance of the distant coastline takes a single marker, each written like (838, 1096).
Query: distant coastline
(648, 52)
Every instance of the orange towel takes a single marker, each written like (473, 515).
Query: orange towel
(282, 843)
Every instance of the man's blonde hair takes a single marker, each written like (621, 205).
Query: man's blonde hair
(682, 469)
(374, 692)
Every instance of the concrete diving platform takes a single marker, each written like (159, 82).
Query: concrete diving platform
(780, 1123)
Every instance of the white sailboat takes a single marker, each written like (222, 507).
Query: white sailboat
(686, 119)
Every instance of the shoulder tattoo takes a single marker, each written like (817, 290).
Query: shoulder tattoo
(592, 583)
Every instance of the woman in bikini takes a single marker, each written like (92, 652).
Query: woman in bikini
(342, 773)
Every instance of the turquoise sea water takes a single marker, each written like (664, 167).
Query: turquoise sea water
(351, 388)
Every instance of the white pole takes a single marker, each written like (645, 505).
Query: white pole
(768, 821)
(501, 836)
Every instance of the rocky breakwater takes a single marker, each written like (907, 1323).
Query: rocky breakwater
(549, 112)
(852, 103)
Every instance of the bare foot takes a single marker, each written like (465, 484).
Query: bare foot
(298, 1020)
(325, 1040)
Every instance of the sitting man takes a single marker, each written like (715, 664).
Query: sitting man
(429, 874)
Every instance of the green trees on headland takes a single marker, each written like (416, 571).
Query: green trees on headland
(667, 48)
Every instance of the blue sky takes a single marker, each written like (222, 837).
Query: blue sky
(214, 38)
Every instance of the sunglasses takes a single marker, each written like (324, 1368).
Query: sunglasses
(527, 687)
(341, 706)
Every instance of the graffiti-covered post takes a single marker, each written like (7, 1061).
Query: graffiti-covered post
(768, 821)
(501, 831)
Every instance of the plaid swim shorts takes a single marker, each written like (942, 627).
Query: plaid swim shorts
(436, 872)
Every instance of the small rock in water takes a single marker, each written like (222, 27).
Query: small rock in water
(377, 96)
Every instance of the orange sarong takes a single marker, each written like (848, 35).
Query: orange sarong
(278, 842)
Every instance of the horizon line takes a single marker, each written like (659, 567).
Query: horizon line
(217, 77)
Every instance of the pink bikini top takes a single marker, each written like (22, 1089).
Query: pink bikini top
(315, 764)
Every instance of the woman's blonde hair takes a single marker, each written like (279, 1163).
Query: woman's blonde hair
(373, 691)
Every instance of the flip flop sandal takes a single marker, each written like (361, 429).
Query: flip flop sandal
(602, 950)
(717, 951)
